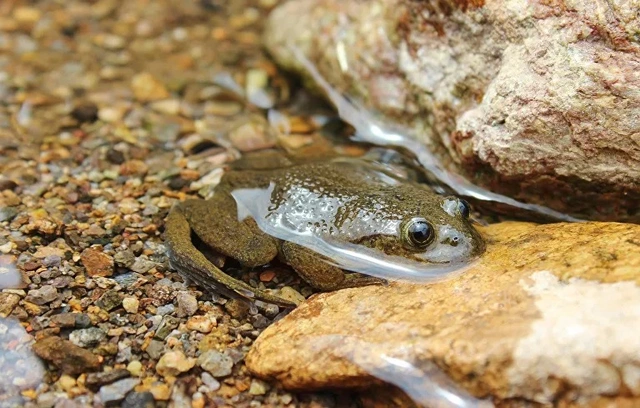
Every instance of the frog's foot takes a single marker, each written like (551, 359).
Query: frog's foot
(192, 264)
(319, 273)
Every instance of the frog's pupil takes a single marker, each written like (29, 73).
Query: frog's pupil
(420, 232)
(463, 207)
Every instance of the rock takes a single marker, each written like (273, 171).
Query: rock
(118, 390)
(174, 363)
(87, 112)
(110, 300)
(187, 304)
(252, 134)
(44, 295)
(216, 363)
(8, 213)
(517, 97)
(139, 400)
(130, 304)
(202, 324)
(65, 355)
(521, 323)
(238, 309)
(96, 262)
(147, 88)
(258, 387)
(88, 337)
(8, 302)
(97, 380)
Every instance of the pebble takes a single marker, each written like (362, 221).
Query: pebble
(142, 265)
(8, 301)
(187, 304)
(147, 88)
(160, 391)
(96, 380)
(216, 363)
(42, 296)
(118, 390)
(130, 304)
(238, 309)
(174, 363)
(202, 324)
(85, 113)
(135, 368)
(88, 337)
(8, 213)
(255, 135)
(167, 106)
(290, 294)
(139, 400)
(209, 381)
(258, 387)
(110, 300)
(111, 114)
(65, 355)
(96, 262)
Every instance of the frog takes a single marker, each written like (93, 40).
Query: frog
(350, 200)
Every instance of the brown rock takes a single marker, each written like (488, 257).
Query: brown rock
(97, 263)
(546, 315)
(147, 88)
(65, 355)
(536, 100)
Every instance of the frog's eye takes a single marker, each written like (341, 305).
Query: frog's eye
(463, 208)
(418, 233)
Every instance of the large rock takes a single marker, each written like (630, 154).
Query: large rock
(550, 313)
(536, 100)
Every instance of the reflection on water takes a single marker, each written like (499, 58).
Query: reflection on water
(425, 383)
(10, 277)
(21, 369)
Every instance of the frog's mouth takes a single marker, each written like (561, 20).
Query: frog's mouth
(450, 246)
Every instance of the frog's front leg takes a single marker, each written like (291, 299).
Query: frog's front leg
(215, 222)
(319, 273)
(191, 263)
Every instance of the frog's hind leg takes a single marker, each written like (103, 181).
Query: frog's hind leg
(193, 265)
(319, 273)
(215, 222)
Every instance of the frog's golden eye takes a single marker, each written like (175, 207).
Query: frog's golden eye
(417, 233)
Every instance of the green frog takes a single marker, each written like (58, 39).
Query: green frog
(269, 207)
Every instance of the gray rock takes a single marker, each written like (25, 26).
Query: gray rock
(118, 390)
(89, 337)
(139, 400)
(110, 300)
(8, 213)
(44, 295)
(125, 258)
(187, 304)
(216, 363)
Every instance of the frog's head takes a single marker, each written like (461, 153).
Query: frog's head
(431, 229)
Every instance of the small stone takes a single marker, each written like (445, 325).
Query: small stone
(111, 114)
(125, 259)
(8, 302)
(292, 295)
(116, 157)
(211, 383)
(139, 400)
(66, 382)
(65, 355)
(96, 263)
(167, 106)
(89, 337)
(142, 264)
(8, 213)
(27, 15)
(110, 41)
(254, 135)
(267, 276)
(202, 324)
(110, 300)
(160, 391)
(51, 261)
(258, 387)
(130, 304)
(216, 363)
(238, 309)
(187, 304)
(64, 320)
(118, 390)
(133, 168)
(44, 295)
(7, 247)
(155, 349)
(174, 363)
(198, 400)
(146, 88)
(135, 368)
(259, 321)
(85, 113)
(97, 380)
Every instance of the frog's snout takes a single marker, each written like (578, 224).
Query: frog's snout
(451, 237)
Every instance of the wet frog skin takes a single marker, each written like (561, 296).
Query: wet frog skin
(345, 200)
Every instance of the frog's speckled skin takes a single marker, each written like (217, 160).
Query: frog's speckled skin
(351, 200)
